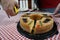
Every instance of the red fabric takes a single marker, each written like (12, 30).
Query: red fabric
(8, 28)
(48, 3)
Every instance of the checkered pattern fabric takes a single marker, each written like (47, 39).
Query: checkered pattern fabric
(8, 28)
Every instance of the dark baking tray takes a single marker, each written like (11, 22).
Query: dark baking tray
(38, 36)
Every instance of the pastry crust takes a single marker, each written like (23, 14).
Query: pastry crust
(25, 26)
(44, 28)
(38, 27)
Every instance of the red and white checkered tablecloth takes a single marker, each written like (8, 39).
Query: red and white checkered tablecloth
(8, 28)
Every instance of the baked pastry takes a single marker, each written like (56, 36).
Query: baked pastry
(36, 23)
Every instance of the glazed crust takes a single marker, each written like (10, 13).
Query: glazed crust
(44, 28)
(25, 26)
(38, 29)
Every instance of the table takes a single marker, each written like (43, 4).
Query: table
(8, 28)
